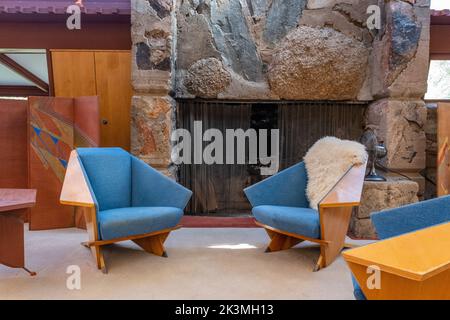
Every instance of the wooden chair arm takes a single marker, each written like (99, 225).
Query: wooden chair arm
(75, 190)
(347, 191)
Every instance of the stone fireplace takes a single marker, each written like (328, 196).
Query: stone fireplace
(282, 51)
(218, 188)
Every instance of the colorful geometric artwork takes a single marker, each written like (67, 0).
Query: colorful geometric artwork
(53, 134)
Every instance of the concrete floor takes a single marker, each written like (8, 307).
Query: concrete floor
(202, 264)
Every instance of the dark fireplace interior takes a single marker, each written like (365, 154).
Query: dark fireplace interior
(218, 188)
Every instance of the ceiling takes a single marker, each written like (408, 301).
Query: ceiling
(23, 69)
(102, 7)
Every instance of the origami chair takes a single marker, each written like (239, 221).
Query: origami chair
(123, 199)
(409, 218)
(281, 207)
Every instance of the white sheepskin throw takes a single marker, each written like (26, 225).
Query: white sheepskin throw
(326, 162)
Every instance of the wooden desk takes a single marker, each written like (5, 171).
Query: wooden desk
(413, 266)
(13, 205)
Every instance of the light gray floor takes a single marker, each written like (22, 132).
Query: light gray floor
(202, 264)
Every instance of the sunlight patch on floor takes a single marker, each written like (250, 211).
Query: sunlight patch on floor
(241, 246)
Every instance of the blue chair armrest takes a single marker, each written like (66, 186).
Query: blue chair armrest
(150, 188)
(286, 188)
(412, 217)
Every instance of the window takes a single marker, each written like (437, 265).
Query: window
(439, 80)
(23, 72)
(440, 4)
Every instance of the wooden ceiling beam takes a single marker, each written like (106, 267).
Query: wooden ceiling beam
(21, 91)
(14, 66)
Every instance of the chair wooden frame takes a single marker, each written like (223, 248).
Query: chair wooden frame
(76, 192)
(335, 211)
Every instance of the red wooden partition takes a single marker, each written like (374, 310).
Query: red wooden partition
(443, 161)
(56, 126)
(13, 144)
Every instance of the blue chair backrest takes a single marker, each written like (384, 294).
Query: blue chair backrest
(412, 217)
(286, 188)
(109, 173)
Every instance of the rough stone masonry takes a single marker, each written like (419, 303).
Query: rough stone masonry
(282, 50)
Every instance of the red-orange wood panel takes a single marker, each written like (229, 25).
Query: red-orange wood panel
(56, 126)
(11, 238)
(86, 134)
(13, 144)
(51, 140)
(443, 161)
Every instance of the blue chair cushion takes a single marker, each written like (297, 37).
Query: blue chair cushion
(124, 222)
(357, 291)
(109, 173)
(301, 221)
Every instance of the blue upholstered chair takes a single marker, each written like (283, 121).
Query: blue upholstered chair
(281, 207)
(123, 198)
(409, 218)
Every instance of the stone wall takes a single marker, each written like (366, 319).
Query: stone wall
(399, 65)
(152, 112)
(313, 50)
(378, 196)
(273, 49)
(282, 49)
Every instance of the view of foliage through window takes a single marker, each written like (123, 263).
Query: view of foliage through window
(439, 80)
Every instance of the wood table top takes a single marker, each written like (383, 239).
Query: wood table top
(14, 199)
(417, 255)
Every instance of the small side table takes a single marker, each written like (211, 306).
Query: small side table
(413, 266)
(13, 207)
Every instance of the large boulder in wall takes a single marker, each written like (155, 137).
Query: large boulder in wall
(318, 64)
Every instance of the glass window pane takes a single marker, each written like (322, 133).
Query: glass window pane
(440, 4)
(439, 80)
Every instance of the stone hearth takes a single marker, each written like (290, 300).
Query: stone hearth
(263, 50)
(378, 196)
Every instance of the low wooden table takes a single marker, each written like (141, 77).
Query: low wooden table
(13, 206)
(412, 266)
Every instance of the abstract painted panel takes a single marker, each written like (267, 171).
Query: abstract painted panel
(53, 134)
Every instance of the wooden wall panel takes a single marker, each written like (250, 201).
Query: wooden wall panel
(439, 42)
(56, 126)
(51, 141)
(13, 144)
(113, 76)
(106, 74)
(443, 160)
(74, 73)
(50, 34)
(86, 122)
(86, 134)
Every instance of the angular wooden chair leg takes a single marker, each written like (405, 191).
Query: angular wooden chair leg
(319, 264)
(291, 242)
(275, 243)
(153, 244)
(99, 259)
(281, 242)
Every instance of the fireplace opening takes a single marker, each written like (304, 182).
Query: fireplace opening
(218, 188)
